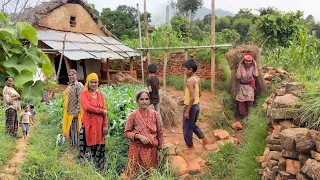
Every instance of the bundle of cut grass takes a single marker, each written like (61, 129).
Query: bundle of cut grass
(169, 109)
(234, 56)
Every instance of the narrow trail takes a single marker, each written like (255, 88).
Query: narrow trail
(12, 167)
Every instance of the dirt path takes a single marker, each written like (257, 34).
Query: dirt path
(12, 167)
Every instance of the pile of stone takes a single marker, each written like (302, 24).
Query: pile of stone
(292, 153)
(271, 73)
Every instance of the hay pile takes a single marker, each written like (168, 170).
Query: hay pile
(120, 78)
(169, 109)
(234, 56)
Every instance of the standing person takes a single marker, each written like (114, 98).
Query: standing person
(12, 105)
(72, 113)
(94, 122)
(247, 70)
(33, 112)
(25, 118)
(153, 87)
(191, 101)
(144, 130)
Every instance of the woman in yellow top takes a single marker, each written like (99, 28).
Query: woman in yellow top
(72, 113)
(191, 102)
(12, 105)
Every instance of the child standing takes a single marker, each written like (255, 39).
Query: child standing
(25, 118)
(33, 112)
(153, 87)
(191, 102)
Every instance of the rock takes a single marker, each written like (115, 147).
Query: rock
(285, 176)
(233, 140)
(272, 163)
(170, 149)
(315, 135)
(193, 167)
(318, 146)
(305, 143)
(286, 123)
(178, 164)
(293, 166)
(303, 158)
(290, 154)
(212, 147)
(287, 137)
(268, 77)
(268, 174)
(293, 87)
(272, 71)
(260, 159)
(185, 177)
(269, 100)
(281, 71)
(281, 113)
(221, 134)
(237, 126)
(179, 151)
(280, 92)
(266, 152)
(275, 147)
(282, 164)
(274, 155)
(311, 168)
(287, 100)
(301, 176)
(315, 155)
(273, 141)
(275, 169)
(260, 171)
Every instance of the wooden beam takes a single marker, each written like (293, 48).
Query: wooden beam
(166, 52)
(188, 47)
(213, 32)
(140, 38)
(185, 77)
(108, 72)
(68, 64)
(146, 29)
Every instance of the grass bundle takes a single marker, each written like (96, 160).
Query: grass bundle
(169, 109)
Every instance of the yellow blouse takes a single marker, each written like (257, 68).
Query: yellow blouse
(196, 93)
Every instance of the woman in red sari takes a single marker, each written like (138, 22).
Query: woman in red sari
(144, 130)
(94, 122)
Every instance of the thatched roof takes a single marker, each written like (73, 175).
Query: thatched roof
(33, 15)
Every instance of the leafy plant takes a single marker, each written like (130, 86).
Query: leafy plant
(21, 59)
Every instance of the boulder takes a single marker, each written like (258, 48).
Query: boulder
(274, 147)
(305, 143)
(268, 77)
(178, 165)
(237, 126)
(315, 135)
(311, 168)
(269, 100)
(318, 146)
(280, 92)
(287, 137)
(275, 169)
(185, 177)
(193, 167)
(290, 154)
(221, 134)
(285, 176)
(170, 149)
(303, 158)
(301, 176)
(282, 164)
(268, 174)
(273, 141)
(272, 163)
(294, 87)
(274, 155)
(281, 71)
(293, 166)
(315, 155)
(212, 147)
(281, 113)
(286, 123)
(287, 100)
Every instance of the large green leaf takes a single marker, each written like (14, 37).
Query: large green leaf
(3, 18)
(21, 64)
(2, 77)
(46, 67)
(22, 78)
(33, 90)
(34, 53)
(9, 34)
(28, 32)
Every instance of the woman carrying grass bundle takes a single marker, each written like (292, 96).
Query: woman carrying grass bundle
(12, 105)
(95, 122)
(72, 114)
(144, 130)
(247, 70)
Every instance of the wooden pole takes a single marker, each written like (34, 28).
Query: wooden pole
(166, 52)
(131, 66)
(140, 38)
(213, 32)
(146, 29)
(68, 64)
(61, 57)
(108, 71)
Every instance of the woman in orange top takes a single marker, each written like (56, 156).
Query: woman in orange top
(94, 122)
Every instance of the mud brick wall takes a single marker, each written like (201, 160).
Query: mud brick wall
(174, 67)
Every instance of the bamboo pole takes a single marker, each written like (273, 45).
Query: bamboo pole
(140, 38)
(185, 77)
(187, 47)
(146, 29)
(213, 65)
(166, 52)
(61, 57)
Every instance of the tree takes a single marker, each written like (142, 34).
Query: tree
(188, 8)
(93, 8)
(21, 61)
(268, 10)
(242, 25)
(229, 36)
(180, 25)
(244, 13)
(222, 23)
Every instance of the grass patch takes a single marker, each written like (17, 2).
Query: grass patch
(246, 166)
(221, 163)
(177, 83)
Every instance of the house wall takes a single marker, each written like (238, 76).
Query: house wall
(59, 19)
(93, 65)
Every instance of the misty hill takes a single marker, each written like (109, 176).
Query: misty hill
(204, 11)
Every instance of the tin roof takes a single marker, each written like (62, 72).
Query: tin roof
(85, 46)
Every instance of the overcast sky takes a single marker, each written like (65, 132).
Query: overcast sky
(308, 6)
